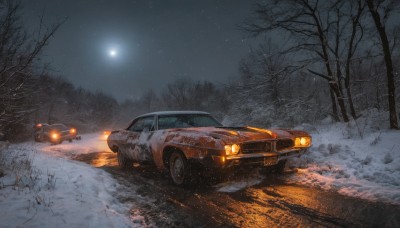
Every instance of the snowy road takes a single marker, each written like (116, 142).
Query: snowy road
(253, 200)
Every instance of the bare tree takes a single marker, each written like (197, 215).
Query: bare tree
(18, 53)
(264, 74)
(348, 21)
(150, 100)
(328, 30)
(177, 94)
(381, 11)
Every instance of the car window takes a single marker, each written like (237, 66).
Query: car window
(144, 123)
(205, 121)
(185, 121)
(57, 127)
(166, 122)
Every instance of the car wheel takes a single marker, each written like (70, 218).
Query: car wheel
(70, 140)
(179, 169)
(124, 162)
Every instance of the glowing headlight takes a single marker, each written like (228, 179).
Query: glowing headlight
(302, 142)
(232, 149)
(54, 136)
(105, 135)
(72, 131)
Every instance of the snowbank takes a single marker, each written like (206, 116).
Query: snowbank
(56, 192)
(357, 159)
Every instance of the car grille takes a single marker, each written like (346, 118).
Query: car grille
(262, 147)
(284, 144)
(256, 147)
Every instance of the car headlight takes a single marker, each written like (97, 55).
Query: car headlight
(72, 131)
(302, 142)
(232, 149)
(55, 136)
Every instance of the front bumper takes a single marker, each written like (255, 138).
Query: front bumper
(256, 159)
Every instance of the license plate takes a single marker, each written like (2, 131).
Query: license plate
(270, 161)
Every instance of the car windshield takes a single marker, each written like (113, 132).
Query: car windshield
(186, 120)
(57, 127)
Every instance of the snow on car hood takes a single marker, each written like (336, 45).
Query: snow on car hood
(234, 134)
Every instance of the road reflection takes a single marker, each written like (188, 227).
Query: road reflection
(271, 203)
(98, 159)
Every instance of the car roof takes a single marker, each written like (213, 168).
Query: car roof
(162, 113)
(49, 126)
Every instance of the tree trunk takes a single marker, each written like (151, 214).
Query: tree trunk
(389, 64)
(335, 88)
(351, 104)
(334, 106)
(348, 90)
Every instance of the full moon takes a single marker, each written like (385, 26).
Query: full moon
(112, 52)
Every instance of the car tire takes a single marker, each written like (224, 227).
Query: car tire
(179, 169)
(124, 162)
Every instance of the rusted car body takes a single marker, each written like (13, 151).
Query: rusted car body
(178, 140)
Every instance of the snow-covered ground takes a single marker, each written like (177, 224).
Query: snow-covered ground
(90, 143)
(359, 159)
(39, 190)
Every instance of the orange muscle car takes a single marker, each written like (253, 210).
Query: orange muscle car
(177, 141)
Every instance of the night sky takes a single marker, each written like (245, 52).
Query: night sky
(153, 42)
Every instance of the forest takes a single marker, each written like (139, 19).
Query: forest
(339, 60)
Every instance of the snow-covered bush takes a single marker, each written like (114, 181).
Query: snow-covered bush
(17, 165)
(387, 159)
(360, 158)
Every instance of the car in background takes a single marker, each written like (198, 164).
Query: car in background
(55, 133)
(179, 141)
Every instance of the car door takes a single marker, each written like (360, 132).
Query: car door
(137, 142)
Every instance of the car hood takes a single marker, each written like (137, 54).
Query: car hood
(239, 134)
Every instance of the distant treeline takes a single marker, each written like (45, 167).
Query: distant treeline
(340, 58)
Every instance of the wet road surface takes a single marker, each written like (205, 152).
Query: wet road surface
(271, 203)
